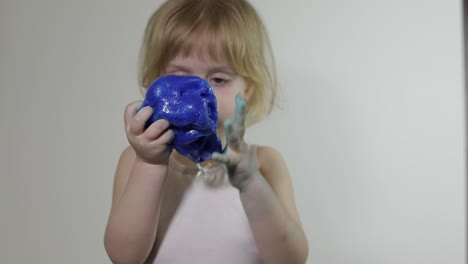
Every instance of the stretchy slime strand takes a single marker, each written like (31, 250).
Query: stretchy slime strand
(189, 104)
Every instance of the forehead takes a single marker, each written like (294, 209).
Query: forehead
(202, 48)
(199, 48)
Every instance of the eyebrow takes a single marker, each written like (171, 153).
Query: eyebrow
(176, 67)
(222, 69)
(215, 68)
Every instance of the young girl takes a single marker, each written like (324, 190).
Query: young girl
(237, 208)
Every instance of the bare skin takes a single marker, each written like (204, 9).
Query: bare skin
(145, 196)
(138, 188)
(266, 194)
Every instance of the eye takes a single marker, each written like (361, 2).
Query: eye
(219, 81)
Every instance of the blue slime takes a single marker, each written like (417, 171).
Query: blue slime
(189, 104)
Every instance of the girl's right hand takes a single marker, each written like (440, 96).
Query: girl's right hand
(151, 145)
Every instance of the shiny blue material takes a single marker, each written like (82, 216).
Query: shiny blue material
(189, 104)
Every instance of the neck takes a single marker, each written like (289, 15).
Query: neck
(189, 163)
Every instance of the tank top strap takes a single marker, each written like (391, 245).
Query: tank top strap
(253, 152)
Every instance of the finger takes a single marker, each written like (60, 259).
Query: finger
(166, 137)
(239, 119)
(228, 160)
(130, 111)
(155, 130)
(232, 137)
(228, 128)
(137, 123)
(240, 110)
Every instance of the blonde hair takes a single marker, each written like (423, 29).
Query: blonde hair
(229, 28)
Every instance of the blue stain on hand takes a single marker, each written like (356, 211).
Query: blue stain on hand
(189, 104)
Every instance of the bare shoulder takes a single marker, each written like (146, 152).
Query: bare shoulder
(273, 167)
(271, 160)
(122, 172)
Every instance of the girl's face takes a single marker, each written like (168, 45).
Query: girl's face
(225, 82)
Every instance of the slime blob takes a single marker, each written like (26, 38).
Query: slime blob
(189, 105)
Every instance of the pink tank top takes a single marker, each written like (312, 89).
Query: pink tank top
(210, 225)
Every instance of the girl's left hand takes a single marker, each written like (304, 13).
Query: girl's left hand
(236, 156)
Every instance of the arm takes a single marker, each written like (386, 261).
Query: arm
(266, 194)
(133, 220)
(269, 204)
(138, 188)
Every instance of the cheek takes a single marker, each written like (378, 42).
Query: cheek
(226, 108)
(226, 100)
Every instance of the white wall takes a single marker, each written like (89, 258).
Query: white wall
(372, 126)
